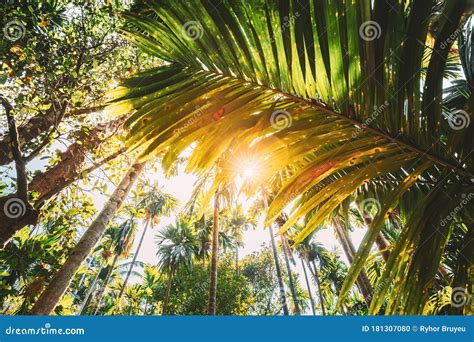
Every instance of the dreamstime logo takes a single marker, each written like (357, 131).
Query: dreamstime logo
(377, 111)
(14, 30)
(281, 119)
(459, 119)
(370, 30)
(14, 208)
(198, 111)
(370, 205)
(459, 297)
(193, 29)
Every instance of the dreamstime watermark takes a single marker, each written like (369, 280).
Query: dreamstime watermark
(370, 30)
(453, 36)
(14, 30)
(377, 111)
(46, 330)
(370, 296)
(459, 296)
(458, 119)
(193, 29)
(14, 208)
(281, 119)
(465, 200)
(370, 205)
(198, 112)
(287, 21)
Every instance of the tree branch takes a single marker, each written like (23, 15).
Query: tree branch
(21, 179)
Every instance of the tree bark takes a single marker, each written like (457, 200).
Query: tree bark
(211, 310)
(100, 295)
(362, 282)
(53, 180)
(308, 287)
(381, 242)
(58, 286)
(35, 127)
(133, 262)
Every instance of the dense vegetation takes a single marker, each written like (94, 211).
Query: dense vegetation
(296, 115)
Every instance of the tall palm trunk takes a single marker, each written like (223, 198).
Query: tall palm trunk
(277, 262)
(167, 293)
(363, 282)
(58, 286)
(211, 310)
(100, 295)
(381, 242)
(290, 276)
(278, 272)
(91, 290)
(237, 270)
(130, 269)
(308, 287)
(318, 284)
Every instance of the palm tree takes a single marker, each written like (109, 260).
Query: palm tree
(58, 286)
(287, 254)
(156, 203)
(310, 252)
(283, 87)
(236, 224)
(177, 245)
(124, 238)
(211, 310)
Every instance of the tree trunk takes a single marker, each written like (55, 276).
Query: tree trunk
(278, 272)
(363, 282)
(88, 297)
(58, 286)
(318, 284)
(211, 310)
(381, 242)
(130, 269)
(167, 293)
(290, 276)
(237, 270)
(53, 180)
(308, 287)
(100, 295)
(36, 127)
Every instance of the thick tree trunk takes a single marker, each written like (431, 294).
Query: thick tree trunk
(130, 269)
(36, 127)
(308, 287)
(363, 282)
(318, 284)
(100, 295)
(52, 181)
(290, 276)
(211, 310)
(58, 286)
(167, 293)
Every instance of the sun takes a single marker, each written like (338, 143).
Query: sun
(249, 171)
